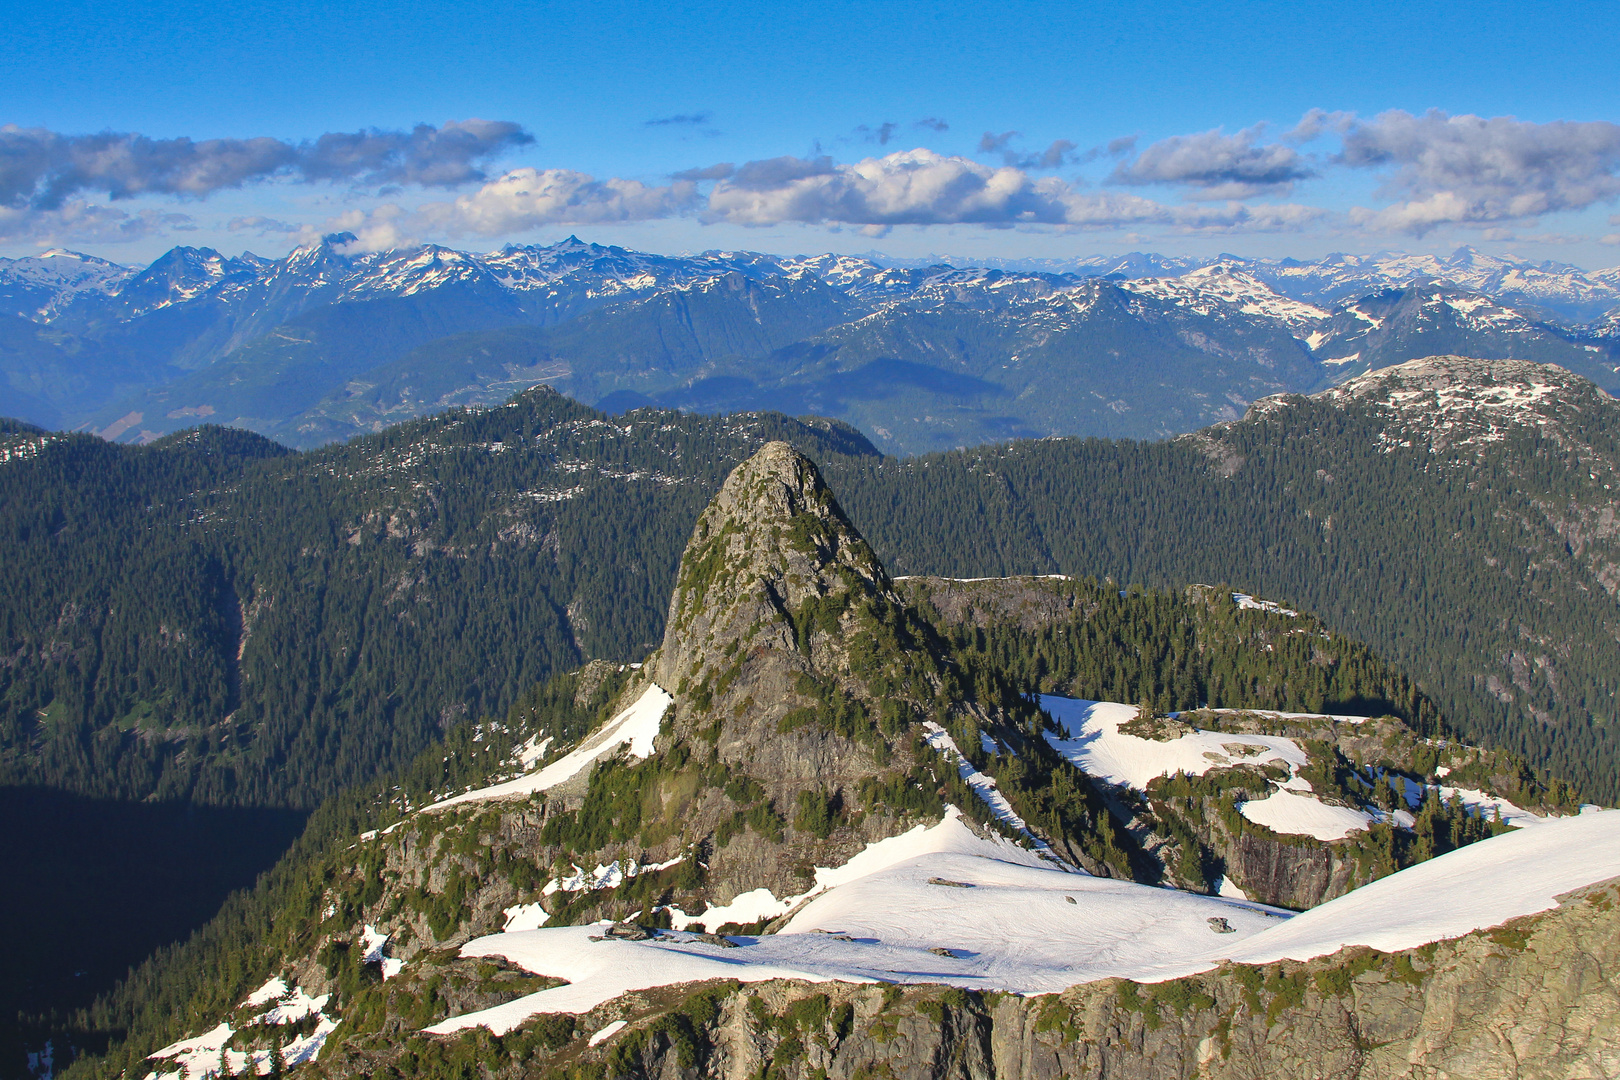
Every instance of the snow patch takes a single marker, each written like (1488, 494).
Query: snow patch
(606, 1033)
(525, 917)
(635, 728)
(1286, 811)
(1093, 742)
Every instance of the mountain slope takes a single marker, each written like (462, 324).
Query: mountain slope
(1482, 570)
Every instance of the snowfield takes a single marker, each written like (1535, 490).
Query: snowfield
(1019, 924)
(1009, 921)
(1479, 886)
(1093, 742)
(636, 726)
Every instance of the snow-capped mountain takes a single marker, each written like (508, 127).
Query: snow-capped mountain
(1210, 289)
(1563, 290)
(36, 286)
(1136, 345)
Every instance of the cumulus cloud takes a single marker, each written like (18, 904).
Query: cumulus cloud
(1215, 165)
(931, 123)
(921, 187)
(1468, 169)
(43, 169)
(527, 198)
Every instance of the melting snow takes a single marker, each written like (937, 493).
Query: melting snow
(1481, 885)
(877, 917)
(636, 727)
(203, 1055)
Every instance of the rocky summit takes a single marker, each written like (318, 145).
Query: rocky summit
(809, 700)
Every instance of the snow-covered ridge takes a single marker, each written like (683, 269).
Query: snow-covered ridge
(1007, 918)
(943, 905)
(1210, 289)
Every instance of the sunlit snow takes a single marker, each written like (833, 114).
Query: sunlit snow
(635, 727)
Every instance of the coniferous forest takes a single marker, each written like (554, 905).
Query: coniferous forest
(214, 624)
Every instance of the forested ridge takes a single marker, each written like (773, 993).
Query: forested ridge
(213, 619)
(208, 618)
(1451, 566)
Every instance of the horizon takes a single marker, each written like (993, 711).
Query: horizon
(1052, 264)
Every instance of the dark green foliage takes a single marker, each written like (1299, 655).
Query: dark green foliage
(211, 618)
(1444, 565)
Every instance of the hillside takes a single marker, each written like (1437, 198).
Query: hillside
(1450, 513)
(770, 801)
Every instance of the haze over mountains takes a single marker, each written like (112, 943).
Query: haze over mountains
(322, 345)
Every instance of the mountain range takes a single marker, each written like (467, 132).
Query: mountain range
(327, 343)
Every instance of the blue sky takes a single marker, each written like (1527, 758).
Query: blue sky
(1167, 127)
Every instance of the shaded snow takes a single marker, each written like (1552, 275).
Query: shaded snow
(373, 943)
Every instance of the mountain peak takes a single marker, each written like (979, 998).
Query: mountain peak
(1455, 402)
(774, 567)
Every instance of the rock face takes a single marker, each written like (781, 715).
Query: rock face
(776, 584)
(801, 684)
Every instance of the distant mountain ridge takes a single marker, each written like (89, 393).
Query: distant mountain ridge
(327, 343)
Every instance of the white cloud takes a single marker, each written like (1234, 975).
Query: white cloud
(1473, 170)
(1215, 165)
(77, 221)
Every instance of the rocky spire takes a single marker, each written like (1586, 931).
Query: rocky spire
(774, 567)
